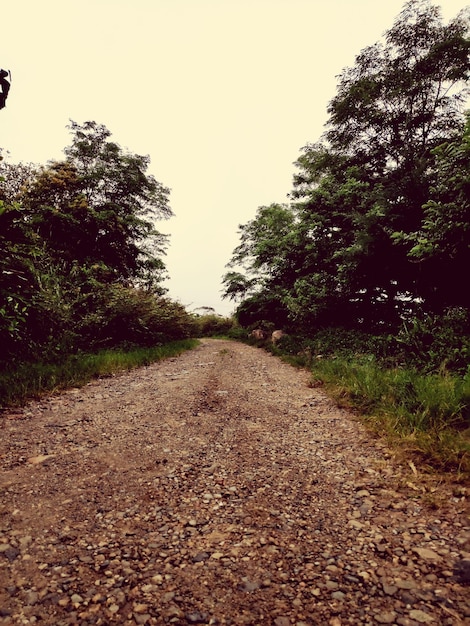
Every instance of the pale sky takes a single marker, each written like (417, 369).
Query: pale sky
(221, 94)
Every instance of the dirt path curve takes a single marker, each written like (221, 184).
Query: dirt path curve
(217, 488)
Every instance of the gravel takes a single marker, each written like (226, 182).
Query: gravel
(220, 488)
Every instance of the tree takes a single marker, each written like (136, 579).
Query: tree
(266, 255)
(344, 252)
(123, 202)
(442, 243)
(374, 174)
(76, 236)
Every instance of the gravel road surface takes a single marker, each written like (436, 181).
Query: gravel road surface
(219, 487)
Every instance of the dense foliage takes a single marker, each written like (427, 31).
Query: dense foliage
(376, 235)
(81, 259)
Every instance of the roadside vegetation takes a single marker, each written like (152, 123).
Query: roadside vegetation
(33, 380)
(424, 411)
(81, 268)
(363, 266)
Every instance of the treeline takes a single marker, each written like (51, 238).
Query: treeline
(81, 259)
(374, 243)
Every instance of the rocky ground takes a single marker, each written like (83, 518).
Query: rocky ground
(220, 488)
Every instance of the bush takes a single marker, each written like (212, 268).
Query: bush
(135, 317)
(211, 325)
(431, 343)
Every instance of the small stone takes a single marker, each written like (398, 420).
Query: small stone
(282, 621)
(405, 584)
(36, 460)
(249, 586)
(462, 571)
(197, 618)
(389, 590)
(427, 554)
(141, 618)
(9, 551)
(25, 541)
(386, 618)
(76, 598)
(31, 598)
(173, 611)
(338, 595)
(4, 547)
(168, 596)
(355, 524)
(200, 556)
(421, 616)
(217, 555)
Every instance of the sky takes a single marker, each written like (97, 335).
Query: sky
(221, 94)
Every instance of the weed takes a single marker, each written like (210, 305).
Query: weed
(427, 414)
(30, 380)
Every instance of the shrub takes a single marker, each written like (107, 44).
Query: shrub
(211, 324)
(434, 342)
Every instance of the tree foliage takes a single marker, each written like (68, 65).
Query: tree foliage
(378, 224)
(81, 259)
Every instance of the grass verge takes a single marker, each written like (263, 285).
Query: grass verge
(31, 380)
(426, 415)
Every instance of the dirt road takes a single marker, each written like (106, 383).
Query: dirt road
(218, 488)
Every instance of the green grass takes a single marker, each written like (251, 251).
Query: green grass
(31, 380)
(429, 415)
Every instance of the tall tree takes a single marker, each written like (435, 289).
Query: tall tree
(441, 246)
(399, 101)
(362, 195)
(124, 202)
(262, 263)
(72, 234)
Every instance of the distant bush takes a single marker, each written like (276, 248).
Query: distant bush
(238, 332)
(211, 324)
(135, 317)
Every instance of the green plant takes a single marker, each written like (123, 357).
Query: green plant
(29, 380)
(211, 325)
(430, 410)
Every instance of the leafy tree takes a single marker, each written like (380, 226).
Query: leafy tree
(124, 202)
(79, 243)
(442, 243)
(265, 255)
(345, 252)
(373, 176)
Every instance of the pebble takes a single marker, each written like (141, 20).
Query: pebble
(385, 618)
(197, 618)
(421, 616)
(253, 514)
